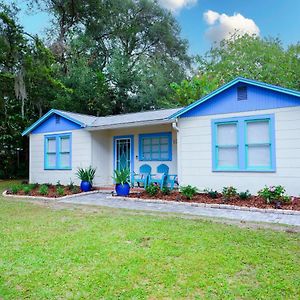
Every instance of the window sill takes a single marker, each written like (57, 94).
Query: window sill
(244, 171)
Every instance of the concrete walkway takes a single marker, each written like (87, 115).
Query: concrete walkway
(103, 199)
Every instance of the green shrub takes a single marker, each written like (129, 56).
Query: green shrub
(44, 190)
(15, 189)
(272, 194)
(229, 192)
(71, 185)
(188, 191)
(165, 190)
(211, 193)
(121, 176)
(86, 174)
(245, 195)
(75, 190)
(58, 184)
(60, 191)
(28, 188)
(152, 189)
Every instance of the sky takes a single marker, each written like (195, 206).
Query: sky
(205, 22)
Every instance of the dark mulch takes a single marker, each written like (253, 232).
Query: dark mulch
(52, 193)
(253, 201)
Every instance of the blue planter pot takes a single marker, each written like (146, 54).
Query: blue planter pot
(85, 186)
(122, 189)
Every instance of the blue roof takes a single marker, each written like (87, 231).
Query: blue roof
(230, 84)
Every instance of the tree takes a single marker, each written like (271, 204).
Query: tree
(262, 59)
(27, 85)
(130, 42)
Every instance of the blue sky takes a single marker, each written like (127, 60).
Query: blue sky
(206, 21)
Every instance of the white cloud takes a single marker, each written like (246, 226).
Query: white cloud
(176, 5)
(222, 26)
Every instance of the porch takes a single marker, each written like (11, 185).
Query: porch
(131, 147)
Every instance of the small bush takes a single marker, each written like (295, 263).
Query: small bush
(165, 190)
(28, 188)
(188, 191)
(60, 191)
(152, 189)
(71, 185)
(58, 184)
(229, 192)
(15, 189)
(75, 190)
(245, 195)
(44, 190)
(211, 193)
(272, 194)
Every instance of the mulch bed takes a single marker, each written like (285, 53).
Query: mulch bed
(253, 201)
(51, 192)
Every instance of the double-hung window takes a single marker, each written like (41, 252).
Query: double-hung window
(244, 144)
(58, 152)
(155, 146)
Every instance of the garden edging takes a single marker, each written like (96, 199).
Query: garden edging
(208, 205)
(4, 194)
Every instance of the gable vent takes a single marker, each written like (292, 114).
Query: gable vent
(57, 119)
(242, 93)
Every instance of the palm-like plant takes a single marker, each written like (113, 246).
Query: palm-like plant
(121, 176)
(86, 174)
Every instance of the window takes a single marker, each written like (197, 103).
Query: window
(58, 152)
(155, 146)
(242, 93)
(244, 144)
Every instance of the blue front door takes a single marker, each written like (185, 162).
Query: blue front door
(123, 152)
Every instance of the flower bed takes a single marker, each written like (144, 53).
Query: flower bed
(252, 201)
(44, 190)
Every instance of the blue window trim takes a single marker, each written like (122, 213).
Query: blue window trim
(57, 138)
(242, 144)
(156, 135)
(131, 137)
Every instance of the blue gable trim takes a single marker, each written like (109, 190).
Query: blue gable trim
(50, 125)
(260, 96)
(66, 123)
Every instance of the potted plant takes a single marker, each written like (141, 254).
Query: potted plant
(121, 178)
(86, 175)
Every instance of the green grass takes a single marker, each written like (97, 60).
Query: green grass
(117, 254)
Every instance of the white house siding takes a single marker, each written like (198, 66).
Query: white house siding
(195, 154)
(101, 159)
(103, 151)
(81, 157)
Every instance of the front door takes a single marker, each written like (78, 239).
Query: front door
(123, 152)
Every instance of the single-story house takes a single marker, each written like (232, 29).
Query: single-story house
(245, 134)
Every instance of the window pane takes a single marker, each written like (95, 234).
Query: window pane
(226, 134)
(155, 148)
(51, 145)
(164, 155)
(155, 155)
(65, 144)
(155, 141)
(146, 141)
(51, 160)
(65, 160)
(146, 156)
(164, 148)
(147, 148)
(164, 140)
(259, 156)
(227, 157)
(258, 132)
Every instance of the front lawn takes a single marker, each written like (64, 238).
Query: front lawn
(117, 254)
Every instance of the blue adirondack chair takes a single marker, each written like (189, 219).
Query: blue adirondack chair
(161, 175)
(142, 177)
